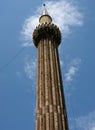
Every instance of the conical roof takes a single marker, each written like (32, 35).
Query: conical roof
(45, 12)
(45, 17)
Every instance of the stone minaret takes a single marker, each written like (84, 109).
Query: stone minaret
(50, 103)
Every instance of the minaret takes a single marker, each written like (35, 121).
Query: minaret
(50, 103)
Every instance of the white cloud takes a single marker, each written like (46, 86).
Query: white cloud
(61, 63)
(65, 13)
(71, 72)
(28, 27)
(73, 68)
(85, 122)
(30, 68)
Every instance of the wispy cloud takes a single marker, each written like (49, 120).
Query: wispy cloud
(30, 68)
(28, 27)
(73, 68)
(84, 122)
(69, 73)
(65, 14)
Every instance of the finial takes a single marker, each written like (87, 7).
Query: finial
(45, 17)
(44, 10)
(44, 5)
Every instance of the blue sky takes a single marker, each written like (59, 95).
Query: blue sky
(18, 61)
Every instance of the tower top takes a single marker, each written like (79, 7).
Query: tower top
(45, 17)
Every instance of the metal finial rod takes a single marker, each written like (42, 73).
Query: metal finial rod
(45, 17)
(44, 5)
(44, 10)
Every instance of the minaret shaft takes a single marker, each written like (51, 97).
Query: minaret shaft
(50, 103)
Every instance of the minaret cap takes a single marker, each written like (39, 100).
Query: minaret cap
(45, 17)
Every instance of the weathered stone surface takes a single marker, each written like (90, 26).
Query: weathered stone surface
(50, 102)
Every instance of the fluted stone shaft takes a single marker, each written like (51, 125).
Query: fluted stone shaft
(50, 103)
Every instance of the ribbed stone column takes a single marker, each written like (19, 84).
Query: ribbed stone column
(50, 102)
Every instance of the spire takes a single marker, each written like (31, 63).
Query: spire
(45, 17)
(44, 10)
